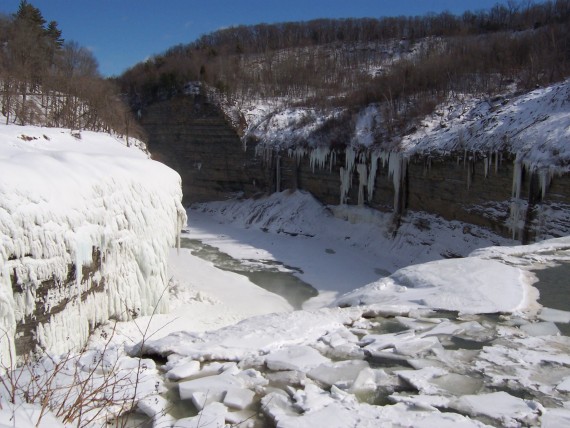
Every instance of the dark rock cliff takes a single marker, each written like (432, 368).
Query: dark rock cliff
(193, 137)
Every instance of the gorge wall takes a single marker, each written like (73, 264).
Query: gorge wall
(193, 137)
(84, 237)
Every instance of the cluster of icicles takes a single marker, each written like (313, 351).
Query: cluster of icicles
(366, 164)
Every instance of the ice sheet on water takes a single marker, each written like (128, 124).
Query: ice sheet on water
(499, 406)
(469, 286)
(540, 329)
(554, 315)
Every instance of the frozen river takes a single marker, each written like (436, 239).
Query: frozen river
(454, 342)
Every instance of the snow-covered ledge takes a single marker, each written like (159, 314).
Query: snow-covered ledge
(85, 228)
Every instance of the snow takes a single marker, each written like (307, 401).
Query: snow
(61, 196)
(26, 416)
(325, 243)
(468, 286)
(323, 371)
(534, 126)
(234, 350)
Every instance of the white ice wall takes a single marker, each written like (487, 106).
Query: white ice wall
(60, 197)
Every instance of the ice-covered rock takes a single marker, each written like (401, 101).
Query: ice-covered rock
(86, 225)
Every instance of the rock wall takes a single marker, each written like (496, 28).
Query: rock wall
(193, 137)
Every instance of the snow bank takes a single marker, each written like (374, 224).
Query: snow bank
(68, 201)
(468, 286)
(325, 243)
(203, 297)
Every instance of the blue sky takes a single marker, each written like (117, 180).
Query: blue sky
(123, 32)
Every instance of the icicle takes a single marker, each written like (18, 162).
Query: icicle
(374, 156)
(346, 174)
(278, 173)
(518, 207)
(544, 178)
(345, 184)
(517, 177)
(385, 157)
(362, 170)
(486, 161)
(350, 158)
(469, 172)
(332, 160)
(298, 153)
(395, 171)
(318, 157)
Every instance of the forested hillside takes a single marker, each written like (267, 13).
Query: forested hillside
(49, 81)
(409, 64)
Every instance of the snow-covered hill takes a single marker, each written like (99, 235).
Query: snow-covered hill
(85, 227)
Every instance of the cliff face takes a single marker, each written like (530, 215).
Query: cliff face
(192, 136)
(85, 227)
(487, 186)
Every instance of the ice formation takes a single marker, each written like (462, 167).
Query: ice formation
(68, 204)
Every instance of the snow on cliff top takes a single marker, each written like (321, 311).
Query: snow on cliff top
(535, 125)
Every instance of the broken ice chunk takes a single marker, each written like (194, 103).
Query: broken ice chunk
(417, 346)
(555, 418)
(341, 373)
(365, 382)
(286, 377)
(301, 358)
(239, 399)
(541, 329)
(184, 370)
(564, 386)
(210, 384)
(241, 418)
(422, 379)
